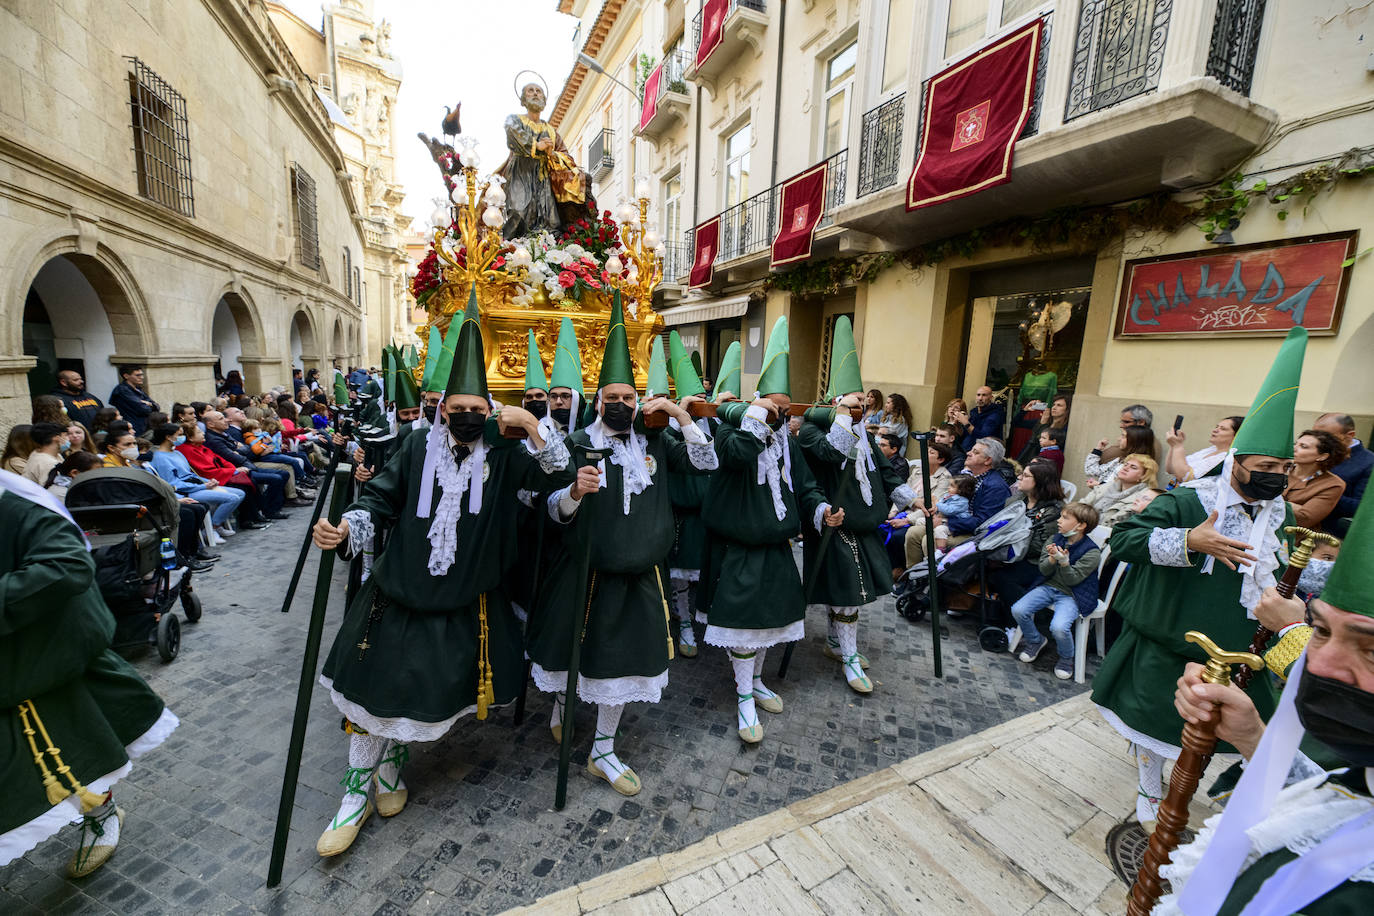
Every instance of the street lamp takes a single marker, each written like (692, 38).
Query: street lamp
(591, 64)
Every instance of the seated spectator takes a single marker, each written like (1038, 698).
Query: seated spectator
(937, 456)
(50, 445)
(1313, 490)
(156, 418)
(1200, 463)
(199, 408)
(212, 467)
(1067, 583)
(172, 466)
(103, 418)
(948, 435)
(954, 506)
(120, 449)
(895, 418)
(79, 439)
(873, 409)
(990, 494)
(1058, 418)
(1144, 498)
(278, 482)
(891, 447)
(1051, 446)
(50, 409)
(1040, 486)
(955, 408)
(77, 462)
(985, 421)
(1354, 470)
(1113, 500)
(1136, 415)
(1134, 440)
(18, 447)
(233, 383)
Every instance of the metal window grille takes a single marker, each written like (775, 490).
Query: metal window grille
(601, 152)
(835, 178)
(348, 273)
(677, 260)
(757, 6)
(689, 244)
(307, 227)
(162, 144)
(1235, 43)
(1041, 65)
(1118, 53)
(358, 286)
(880, 145)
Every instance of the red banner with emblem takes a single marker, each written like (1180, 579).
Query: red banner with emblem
(712, 22)
(803, 203)
(974, 111)
(705, 244)
(646, 114)
(1246, 290)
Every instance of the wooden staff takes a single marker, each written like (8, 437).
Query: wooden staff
(1199, 740)
(1287, 585)
(710, 410)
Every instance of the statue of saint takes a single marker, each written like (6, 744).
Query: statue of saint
(544, 186)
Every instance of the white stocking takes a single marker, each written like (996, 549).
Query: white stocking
(848, 635)
(682, 592)
(603, 747)
(556, 717)
(389, 768)
(760, 691)
(1151, 787)
(363, 753)
(743, 663)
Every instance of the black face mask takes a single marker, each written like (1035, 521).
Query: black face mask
(466, 426)
(1263, 485)
(776, 423)
(561, 415)
(618, 416)
(540, 409)
(1339, 716)
(430, 411)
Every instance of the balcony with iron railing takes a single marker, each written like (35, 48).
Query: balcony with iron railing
(742, 26)
(601, 154)
(671, 103)
(1131, 97)
(677, 259)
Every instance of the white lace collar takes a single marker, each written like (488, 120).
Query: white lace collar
(628, 453)
(1217, 495)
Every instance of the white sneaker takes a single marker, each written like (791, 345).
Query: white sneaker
(224, 531)
(215, 540)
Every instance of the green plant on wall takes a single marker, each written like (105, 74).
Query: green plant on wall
(643, 72)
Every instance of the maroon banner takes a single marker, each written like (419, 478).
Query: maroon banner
(650, 96)
(712, 19)
(974, 112)
(803, 203)
(705, 244)
(1246, 290)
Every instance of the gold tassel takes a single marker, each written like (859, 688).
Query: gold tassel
(667, 615)
(51, 785)
(486, 690)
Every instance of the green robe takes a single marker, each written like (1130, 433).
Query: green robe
(1158, 605)
(422, 630)
(625, 607)
(751, 581)
(855, 569)
(686, 492)
(55, 634)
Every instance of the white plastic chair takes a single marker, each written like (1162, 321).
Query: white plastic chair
(1083, 627)
(1100, 535)
(1070, 490)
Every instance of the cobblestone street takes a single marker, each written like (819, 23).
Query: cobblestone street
(480, 833)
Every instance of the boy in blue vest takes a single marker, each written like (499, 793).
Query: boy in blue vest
(1067, 583)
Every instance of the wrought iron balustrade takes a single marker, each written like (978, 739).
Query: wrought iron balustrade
(677, 260)
(1235, 43)
(880, 145)
(601, 152)
(835, 179)
(757, 6)
(748, 226)
(1118, 53)
(1042, 63)
(689, 241)
(673, 80)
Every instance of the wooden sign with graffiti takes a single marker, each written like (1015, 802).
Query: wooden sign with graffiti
(1240, 291)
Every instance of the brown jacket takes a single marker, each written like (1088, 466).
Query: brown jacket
(1312, 500)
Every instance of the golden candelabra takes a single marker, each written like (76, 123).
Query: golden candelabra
(645, 268)
(481, 240)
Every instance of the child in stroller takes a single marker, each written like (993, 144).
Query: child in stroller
(130, 517)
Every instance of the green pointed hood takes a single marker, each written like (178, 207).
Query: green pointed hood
(340, 389)
(390, 364)
(468, 374)
(443, 360)
(844, 361)
(534, 366)
(567, 360)
(658, 370)
(1268, 426)
(410, 358)
(1351, 585)
(405, 394)
(616, 368)
(436, 346)
(686, 379)
(775, 378)
(696, 363)
(728, 379)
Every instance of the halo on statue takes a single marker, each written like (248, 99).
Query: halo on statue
(521, 83)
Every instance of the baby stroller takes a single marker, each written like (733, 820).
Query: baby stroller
(1002, 538)
(130, 517)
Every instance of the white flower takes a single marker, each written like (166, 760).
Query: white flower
(576, 251)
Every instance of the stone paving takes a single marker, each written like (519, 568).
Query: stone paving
(480, 833)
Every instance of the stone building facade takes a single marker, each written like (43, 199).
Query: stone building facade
(1134, 100)
(171, 195)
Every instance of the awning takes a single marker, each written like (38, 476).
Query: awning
(710, 310)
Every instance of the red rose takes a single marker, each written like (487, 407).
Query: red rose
(566, 279)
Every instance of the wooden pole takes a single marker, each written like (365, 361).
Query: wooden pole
(932, 585)
(1287, 585)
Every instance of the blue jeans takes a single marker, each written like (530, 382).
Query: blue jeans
(1061, 625)
(295, 462)
(222, 501)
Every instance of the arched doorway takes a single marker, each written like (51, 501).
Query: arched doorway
(302, 342)
(225, 342)
(234, 335)
(340, 351)
(76, 316)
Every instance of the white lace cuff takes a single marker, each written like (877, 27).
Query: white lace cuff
(702, 455)
(755, 426)
(553, 456)
(562, 507)
(818, 519)
(1314, 576)
(842, 436)
(361, 532)
(692, 435)
(1169, 547)
(526, 497)
(903, 496)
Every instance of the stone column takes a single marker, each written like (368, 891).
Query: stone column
(16, 406)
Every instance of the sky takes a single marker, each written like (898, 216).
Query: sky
(465, 51)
